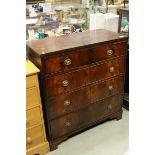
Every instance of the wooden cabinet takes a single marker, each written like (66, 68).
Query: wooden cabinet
(82, 80)
(36, 142)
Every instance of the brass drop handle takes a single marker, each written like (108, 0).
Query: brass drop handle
(67, 124)
(29, 140)
(110, 88)
(109, 106)
(67, 102)
(109, 52)
(67, 62)
(65, 83)
(111, 69)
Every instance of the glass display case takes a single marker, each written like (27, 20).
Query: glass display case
(59, 21)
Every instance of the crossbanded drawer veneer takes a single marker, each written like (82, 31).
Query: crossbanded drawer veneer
(82, 80)
(36, 142)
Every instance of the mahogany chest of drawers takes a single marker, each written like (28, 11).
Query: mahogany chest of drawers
(81, 80)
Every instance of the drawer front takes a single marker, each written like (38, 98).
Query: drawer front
(69, 123)
(106, 107)
(33, 117)
(108, 51)
(107, 70)
(66, 103)
(64, 62)
(31, 81)
(107, 88)
(34, 136)
(32, 97)
(64, 83)
(85, 116)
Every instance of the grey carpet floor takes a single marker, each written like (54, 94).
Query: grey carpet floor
(109, 138)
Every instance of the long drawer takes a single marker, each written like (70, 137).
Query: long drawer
(34, 136)
(69, 102)
(68, 82)
(85, 116)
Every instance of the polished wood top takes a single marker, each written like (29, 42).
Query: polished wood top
(30, 68)
(75, 40)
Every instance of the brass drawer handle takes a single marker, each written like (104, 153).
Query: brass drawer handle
(109, 106)
(29, 140)
(109, 52)
(67, 62)
(67, 102)
(111, 69)
(67, 124)
(65, 83)
(110, 88)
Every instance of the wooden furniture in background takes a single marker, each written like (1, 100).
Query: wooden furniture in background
(36, 142)
(82, 80)
(124, 12)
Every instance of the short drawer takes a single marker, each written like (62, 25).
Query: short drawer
(68, 102)
(33, 117)
(32, 81)
(66, 61)
(108, 51)
(32, 97)
(34, 136)
(85, 116)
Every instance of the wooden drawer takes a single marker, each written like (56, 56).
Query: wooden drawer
(106, 107)
(108, 51)
(54, 85)
(67, 61)
(81, 118)
(106, 88)
(32, 81)
(33, 117)
(32, 97)
(34, 136)
(68, 102)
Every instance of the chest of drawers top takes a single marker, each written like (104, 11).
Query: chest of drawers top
(51, 45)
(31, 68)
